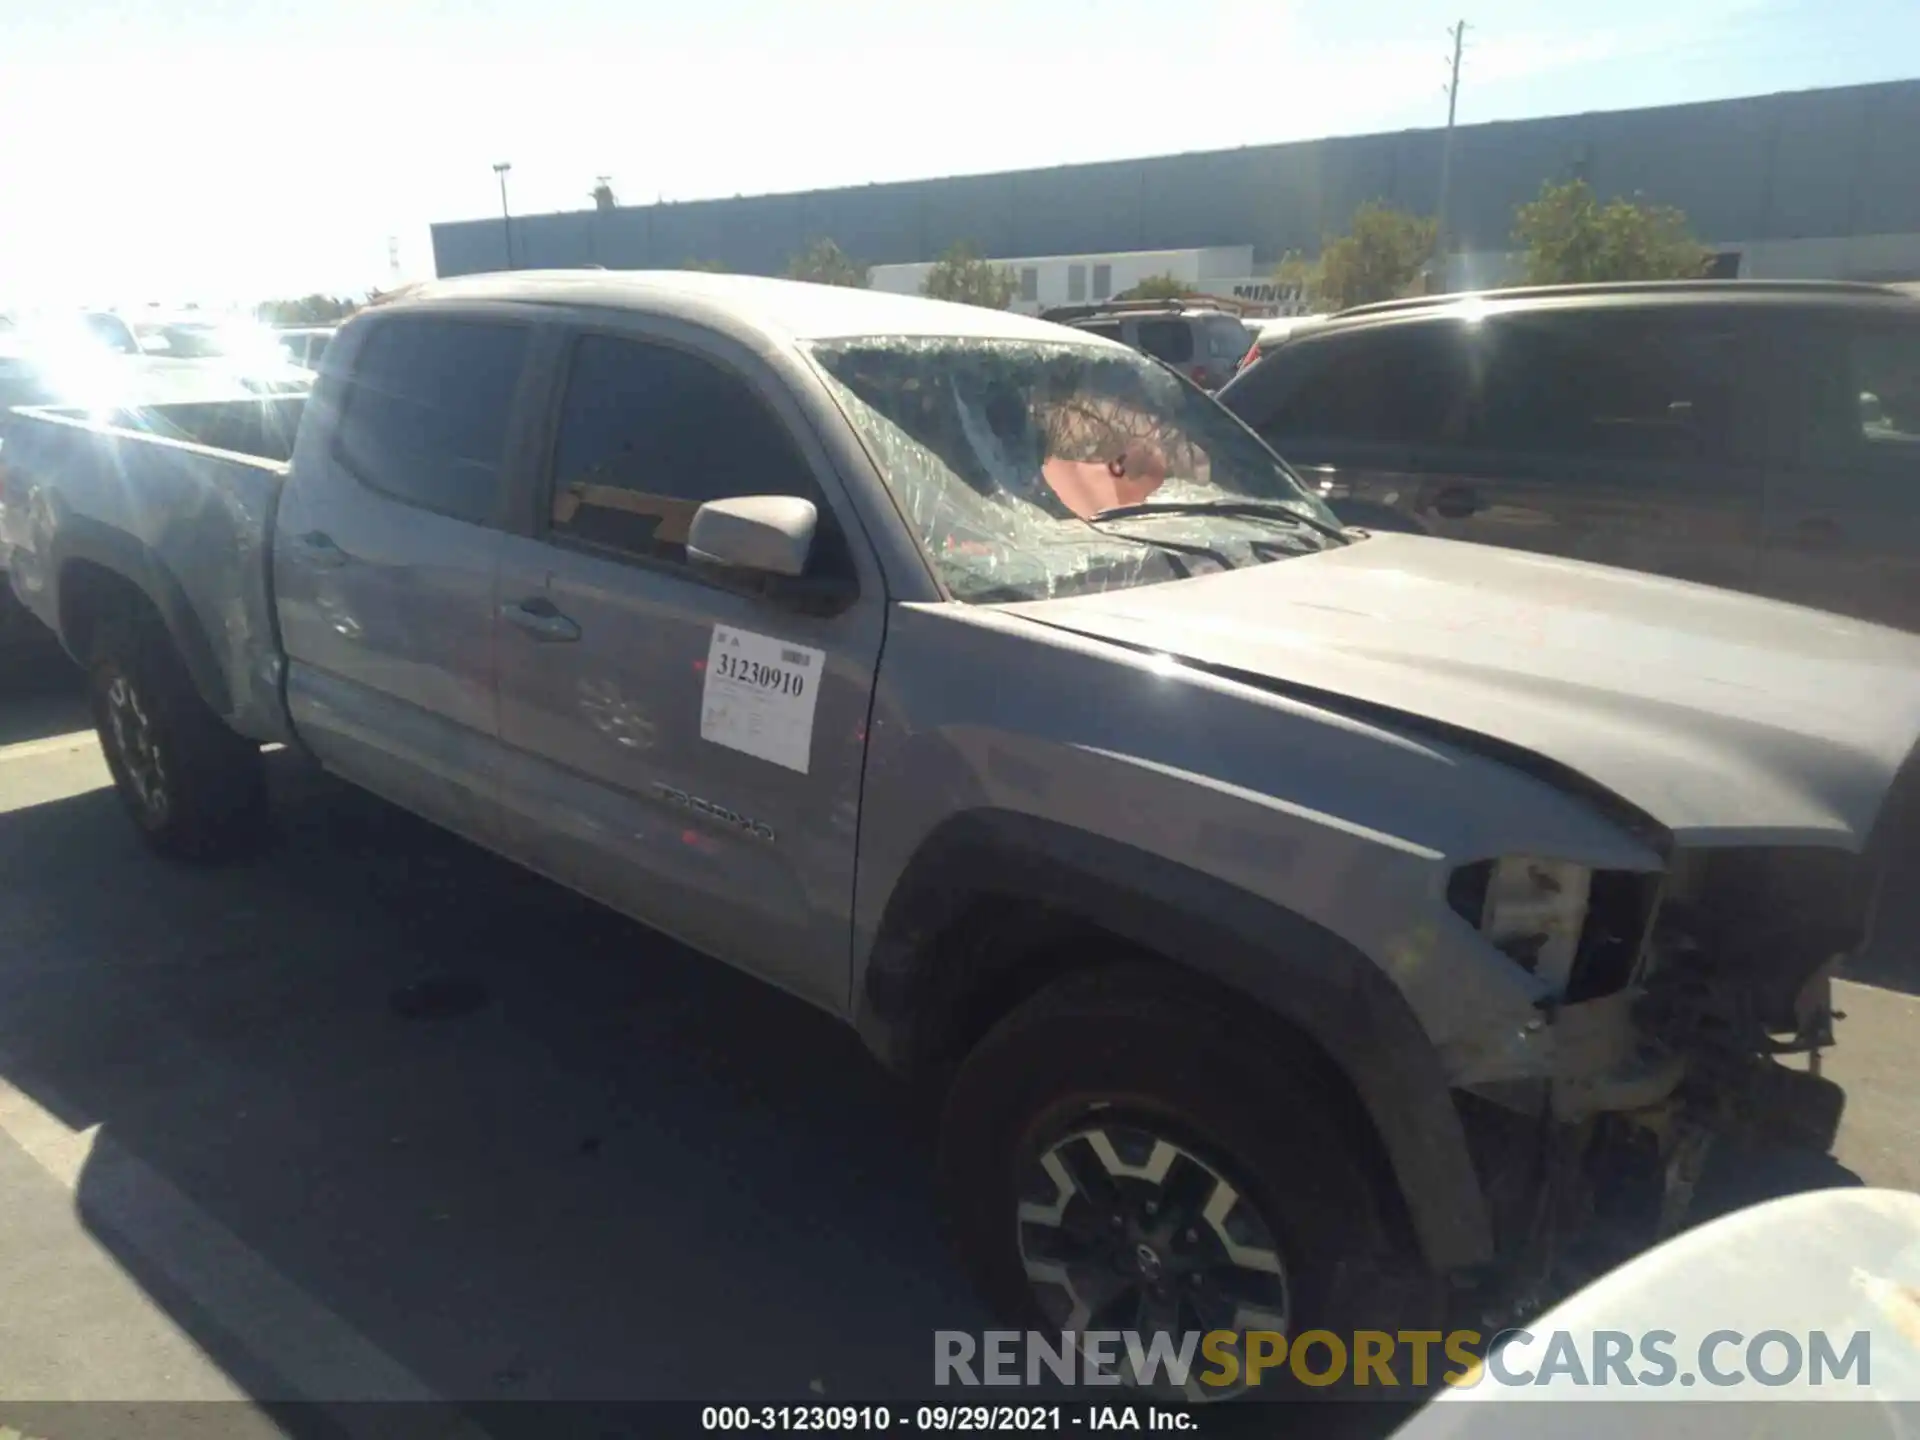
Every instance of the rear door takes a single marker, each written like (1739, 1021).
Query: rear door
(1843, 512)
(622, 776)
(386, 554)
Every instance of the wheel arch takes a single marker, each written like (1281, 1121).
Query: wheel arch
(98, 569)
(995, 904)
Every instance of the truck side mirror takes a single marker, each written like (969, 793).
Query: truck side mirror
(763, 534)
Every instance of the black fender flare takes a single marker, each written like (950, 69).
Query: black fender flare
(126, 556)
(1301, 972)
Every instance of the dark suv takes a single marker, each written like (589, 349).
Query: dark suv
(1760, 435)
(1200, 340)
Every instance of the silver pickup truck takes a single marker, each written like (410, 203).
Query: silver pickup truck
(1300, 925)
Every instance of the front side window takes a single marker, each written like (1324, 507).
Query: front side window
(425, 412)
(1034, 469)
(648, 434)
(1397, 385)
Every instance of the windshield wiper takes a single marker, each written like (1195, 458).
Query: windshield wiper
(1261, 509)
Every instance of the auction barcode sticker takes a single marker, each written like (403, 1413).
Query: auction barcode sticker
(760, 695)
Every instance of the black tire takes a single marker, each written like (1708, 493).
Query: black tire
(193, 788)
(1138, 1050)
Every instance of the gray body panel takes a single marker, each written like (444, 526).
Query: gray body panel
(1267, 776)
(1728, 720)
(185, 522)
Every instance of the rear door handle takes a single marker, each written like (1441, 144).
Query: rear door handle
(537, 616)
(316, 548)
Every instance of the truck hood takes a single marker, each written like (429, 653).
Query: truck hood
(1726, 719)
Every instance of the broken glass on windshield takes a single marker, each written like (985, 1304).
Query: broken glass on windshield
(1002, 454)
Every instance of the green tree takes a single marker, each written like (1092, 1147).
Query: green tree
(1570, 238)
(961, 274)
(825, 263)
(1379, 258)
(711, 267)
(307, 310)
(1158, 287)
(1297, 273)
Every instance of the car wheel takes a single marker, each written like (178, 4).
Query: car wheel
(1125, 1153)
(192, 787)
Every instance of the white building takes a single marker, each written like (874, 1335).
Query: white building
(1049, 280)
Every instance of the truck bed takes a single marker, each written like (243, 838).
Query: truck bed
(180, 497)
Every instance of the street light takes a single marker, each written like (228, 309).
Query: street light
(506, 216)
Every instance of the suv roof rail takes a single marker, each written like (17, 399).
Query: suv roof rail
(1629, 287)
(1129, 307)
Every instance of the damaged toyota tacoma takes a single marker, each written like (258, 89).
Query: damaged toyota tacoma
(1301, 927)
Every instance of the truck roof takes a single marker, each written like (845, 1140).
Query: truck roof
(792, 308)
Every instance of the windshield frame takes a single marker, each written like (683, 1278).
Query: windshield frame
(1219, 432)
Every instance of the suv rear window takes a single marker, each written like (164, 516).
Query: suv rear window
(1168, 340)
(1227, 338)
(424, 416)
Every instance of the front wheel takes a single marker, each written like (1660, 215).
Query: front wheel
(1124, 1154)
(192, 787)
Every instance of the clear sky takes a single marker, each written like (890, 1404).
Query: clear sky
(236, 149)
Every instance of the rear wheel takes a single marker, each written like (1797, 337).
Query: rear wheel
(1122, 1153)
(192, 787)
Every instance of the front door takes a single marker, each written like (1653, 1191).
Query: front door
(1843, 515)
(386, 550)
(680, 746)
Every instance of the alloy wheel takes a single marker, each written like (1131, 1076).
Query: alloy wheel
(1124, 1228)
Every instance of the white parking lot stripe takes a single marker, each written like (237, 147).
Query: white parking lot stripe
(52, 745)
(318, 1355)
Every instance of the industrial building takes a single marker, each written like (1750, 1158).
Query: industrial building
(1816, 183)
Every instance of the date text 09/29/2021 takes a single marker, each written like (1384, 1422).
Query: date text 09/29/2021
(937, 1419)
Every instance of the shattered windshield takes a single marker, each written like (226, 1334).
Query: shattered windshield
(1033, 469)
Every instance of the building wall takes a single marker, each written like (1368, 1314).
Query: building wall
(1047, 280)
(1802, 166)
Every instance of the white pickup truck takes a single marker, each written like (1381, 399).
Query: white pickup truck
(1301, 923)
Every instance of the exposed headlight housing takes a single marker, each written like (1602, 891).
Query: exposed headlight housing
(1578, 929)
(1534, 910)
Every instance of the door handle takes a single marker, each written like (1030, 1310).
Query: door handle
(316, 548)
(1456, 502)
(537, 616)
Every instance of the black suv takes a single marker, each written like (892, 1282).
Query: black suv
(1201, 341)
(1760, 435)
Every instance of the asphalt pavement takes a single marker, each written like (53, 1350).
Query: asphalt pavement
(375, 1115)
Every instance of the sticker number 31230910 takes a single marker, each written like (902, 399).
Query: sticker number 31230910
(759, 696)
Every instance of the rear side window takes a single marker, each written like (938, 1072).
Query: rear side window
(1396, 385)
(1650, 387)
(424, 414)
(648, 434)
(1168, 340)
(1108, 329)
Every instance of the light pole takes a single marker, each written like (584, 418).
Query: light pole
(506, 216)
(1443, 236)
